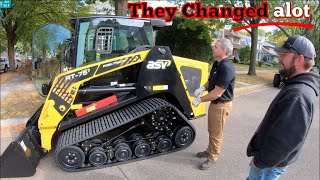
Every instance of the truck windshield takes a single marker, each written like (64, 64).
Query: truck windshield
(104, 38)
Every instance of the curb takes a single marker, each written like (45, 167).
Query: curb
(249, 89)
(257, 71)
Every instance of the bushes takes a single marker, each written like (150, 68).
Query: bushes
(188, 38)
(244, 54)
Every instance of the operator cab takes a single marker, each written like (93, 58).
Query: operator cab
(57, 49)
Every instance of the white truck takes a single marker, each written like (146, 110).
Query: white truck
(4, 64)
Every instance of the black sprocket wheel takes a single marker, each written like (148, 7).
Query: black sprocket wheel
(162, 118)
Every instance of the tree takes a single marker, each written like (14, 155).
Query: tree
(120, 6)
(253, 32)
(24, 17)
(187, 42)
(254, 37)
(3, 37)
(311, 34)
(277, 36)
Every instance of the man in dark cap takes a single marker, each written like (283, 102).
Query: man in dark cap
(279, 139)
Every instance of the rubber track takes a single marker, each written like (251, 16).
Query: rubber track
(110, 121)
(114, 120)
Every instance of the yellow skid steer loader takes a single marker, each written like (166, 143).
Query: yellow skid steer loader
(112, 97)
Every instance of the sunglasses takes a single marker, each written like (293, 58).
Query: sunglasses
(287, 45)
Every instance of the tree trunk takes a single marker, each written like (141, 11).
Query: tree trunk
(120, 7)
(11, 56)
(253, 53)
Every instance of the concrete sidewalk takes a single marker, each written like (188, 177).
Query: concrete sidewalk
(12, 127)
(15, 84)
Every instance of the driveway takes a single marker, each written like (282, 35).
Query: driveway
(248, 111)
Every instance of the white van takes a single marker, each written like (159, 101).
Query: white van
(18, 63)
(4, 64)
(18, 60)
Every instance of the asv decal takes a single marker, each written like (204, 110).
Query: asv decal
(159, 64)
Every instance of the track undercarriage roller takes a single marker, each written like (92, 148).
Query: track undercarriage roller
(97, 156)
(140, 147)
(70, 157)
(163, 143)
(122, 150)
(184, 136)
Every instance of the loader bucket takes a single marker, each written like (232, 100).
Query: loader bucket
(22, 156)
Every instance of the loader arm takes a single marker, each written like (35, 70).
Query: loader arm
(66, 85)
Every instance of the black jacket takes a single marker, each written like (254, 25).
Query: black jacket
(279, 138)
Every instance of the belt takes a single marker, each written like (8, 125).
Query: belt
(220, 101)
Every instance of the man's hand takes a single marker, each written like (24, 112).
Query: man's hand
(199, 92)
(196, 101)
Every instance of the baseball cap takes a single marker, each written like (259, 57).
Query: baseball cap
(300, 45)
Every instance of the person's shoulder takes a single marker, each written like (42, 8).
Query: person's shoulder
(297, 92)
(228, 65)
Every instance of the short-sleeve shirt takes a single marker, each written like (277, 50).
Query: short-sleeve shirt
(223, 75)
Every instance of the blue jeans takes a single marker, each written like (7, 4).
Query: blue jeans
(272, 173)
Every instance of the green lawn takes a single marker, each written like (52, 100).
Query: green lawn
(244, 67)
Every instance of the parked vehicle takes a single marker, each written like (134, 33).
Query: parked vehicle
(4, 64)
(18, 60)
(18, 63)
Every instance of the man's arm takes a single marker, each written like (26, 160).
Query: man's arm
(213, 95)
(288, 132)
(206, 85)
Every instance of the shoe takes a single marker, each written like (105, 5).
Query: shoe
(207, 164)
(203, 154)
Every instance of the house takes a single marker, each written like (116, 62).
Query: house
(265, 50)
(266, 53)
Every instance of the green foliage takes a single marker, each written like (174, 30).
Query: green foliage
(244, 54)
(277, 36)
(21, 21)
(3, 37)
(312, 34)
(186, 40)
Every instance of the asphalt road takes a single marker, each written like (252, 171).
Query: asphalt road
(248, 111)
